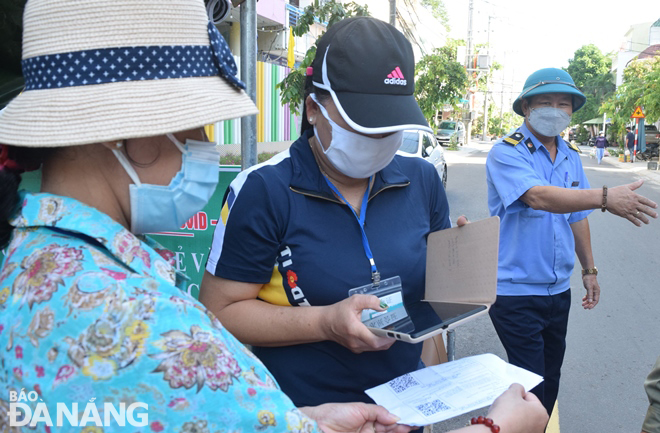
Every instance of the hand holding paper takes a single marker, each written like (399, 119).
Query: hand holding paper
(519, 411)
(447, 390)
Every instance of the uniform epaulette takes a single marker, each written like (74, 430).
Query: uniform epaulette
(514, 138)
(574, 147)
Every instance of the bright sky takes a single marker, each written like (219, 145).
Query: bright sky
(537, 34)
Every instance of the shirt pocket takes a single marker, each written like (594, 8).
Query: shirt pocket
(529, 212)
(571, 183)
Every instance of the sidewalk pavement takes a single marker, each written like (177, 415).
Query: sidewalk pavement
(638, 167)
(465, 151)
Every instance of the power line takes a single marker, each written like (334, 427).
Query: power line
(412, 20)
(490, 3)
(409, 33)
(426, 26)
(639, 52)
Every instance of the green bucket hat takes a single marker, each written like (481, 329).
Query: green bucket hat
(550, 80)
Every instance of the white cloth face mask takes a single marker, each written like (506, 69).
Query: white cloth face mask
(549, 121)
(356, 155)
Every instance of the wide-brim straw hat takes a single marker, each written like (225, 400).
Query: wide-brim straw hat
(63, 108)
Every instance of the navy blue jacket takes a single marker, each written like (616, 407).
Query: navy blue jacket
(283, 227)
(601, 142)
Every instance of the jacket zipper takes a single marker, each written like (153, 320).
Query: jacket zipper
(401, 185)
(315, 196)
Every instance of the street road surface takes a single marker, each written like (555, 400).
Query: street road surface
(611, 348)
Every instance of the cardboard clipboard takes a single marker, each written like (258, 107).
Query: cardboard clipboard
(461, 269)
(461, 263)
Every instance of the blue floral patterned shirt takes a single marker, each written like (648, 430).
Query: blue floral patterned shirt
(90, 314)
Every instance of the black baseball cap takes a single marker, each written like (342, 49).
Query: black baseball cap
(368, 67)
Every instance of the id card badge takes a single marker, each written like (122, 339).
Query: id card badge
(390, 292)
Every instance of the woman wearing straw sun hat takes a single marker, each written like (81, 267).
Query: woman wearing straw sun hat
(90, 311)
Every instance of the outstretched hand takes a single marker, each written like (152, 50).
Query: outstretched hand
(623, 201)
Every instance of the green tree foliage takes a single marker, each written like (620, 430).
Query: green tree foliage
(587, 62)
(481, 81)
(440, 80)
(590, 70)
(499, 124)
(292, 87)
(581, 134)
(504, 123)
(640, 88)
(439, 11)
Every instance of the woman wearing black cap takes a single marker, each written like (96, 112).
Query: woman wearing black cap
(337, 211)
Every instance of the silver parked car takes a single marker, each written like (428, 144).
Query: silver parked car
(423, 144)
(448, 129)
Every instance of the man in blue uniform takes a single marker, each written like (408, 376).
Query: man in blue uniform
(538, 188)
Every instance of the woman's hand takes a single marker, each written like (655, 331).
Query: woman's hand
(354, 418)
(343, 325)
(517, 411)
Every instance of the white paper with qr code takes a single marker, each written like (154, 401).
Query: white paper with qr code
(444, 391)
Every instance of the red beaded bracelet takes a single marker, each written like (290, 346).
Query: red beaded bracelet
(494, 428)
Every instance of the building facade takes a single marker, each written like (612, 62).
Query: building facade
(277, 123)
(636, 40)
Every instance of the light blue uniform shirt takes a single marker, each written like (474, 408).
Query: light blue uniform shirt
(537, 248)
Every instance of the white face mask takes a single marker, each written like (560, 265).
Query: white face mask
(549, 121)
(356, 155)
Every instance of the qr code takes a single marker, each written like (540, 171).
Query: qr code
(402, 383)
(432, 407)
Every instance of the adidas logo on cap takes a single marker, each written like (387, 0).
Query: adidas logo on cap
(396, 77)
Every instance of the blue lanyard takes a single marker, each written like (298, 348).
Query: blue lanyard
(375, 275)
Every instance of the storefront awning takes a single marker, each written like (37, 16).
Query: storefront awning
(596, 121)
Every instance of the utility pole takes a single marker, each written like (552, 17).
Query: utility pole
(485, 131)
(393, 12)
(468, 66)
(502, 97)
(513, 80)
(249, 77)
(468, 59)
(502, 107)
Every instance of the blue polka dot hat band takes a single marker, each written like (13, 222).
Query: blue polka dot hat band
(109, 65)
